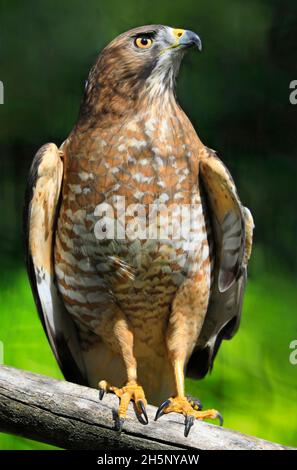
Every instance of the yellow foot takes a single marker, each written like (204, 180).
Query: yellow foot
(188, 408)
(130, 392)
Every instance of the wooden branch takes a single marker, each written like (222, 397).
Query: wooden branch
(72, 417)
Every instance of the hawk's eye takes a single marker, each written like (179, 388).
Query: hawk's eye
(143, 43)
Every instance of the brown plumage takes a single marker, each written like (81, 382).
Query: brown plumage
(130, 311)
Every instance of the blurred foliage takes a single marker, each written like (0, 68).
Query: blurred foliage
(237, 95)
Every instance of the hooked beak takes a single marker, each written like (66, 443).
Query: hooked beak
(189, 38)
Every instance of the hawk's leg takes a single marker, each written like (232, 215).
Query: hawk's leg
(130, 392)
(118, 335)
(180, 404)
(188, 313)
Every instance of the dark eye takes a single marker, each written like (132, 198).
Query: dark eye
(143, 42)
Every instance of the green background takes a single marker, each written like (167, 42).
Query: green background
(237, 95)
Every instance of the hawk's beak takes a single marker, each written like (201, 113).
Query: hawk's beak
(189, 38)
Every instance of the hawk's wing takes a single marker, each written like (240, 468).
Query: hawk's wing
(40, 215)
(232, 227)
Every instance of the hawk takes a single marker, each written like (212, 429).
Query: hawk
(134, 313)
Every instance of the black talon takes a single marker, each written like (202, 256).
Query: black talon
(101, 393)
(119, 424)
(189, 421)
(220, 418)
(160, 410)
(143, 419)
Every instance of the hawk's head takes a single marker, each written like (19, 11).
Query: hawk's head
(145, 58)
(150, 51)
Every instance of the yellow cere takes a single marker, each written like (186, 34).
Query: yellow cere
(178, 33)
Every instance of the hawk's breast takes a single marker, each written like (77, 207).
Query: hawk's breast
(132, 224)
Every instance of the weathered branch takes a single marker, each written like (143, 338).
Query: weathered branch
(71, 417)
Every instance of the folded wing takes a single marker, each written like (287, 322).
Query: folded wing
(232, 229)
(40, 216)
